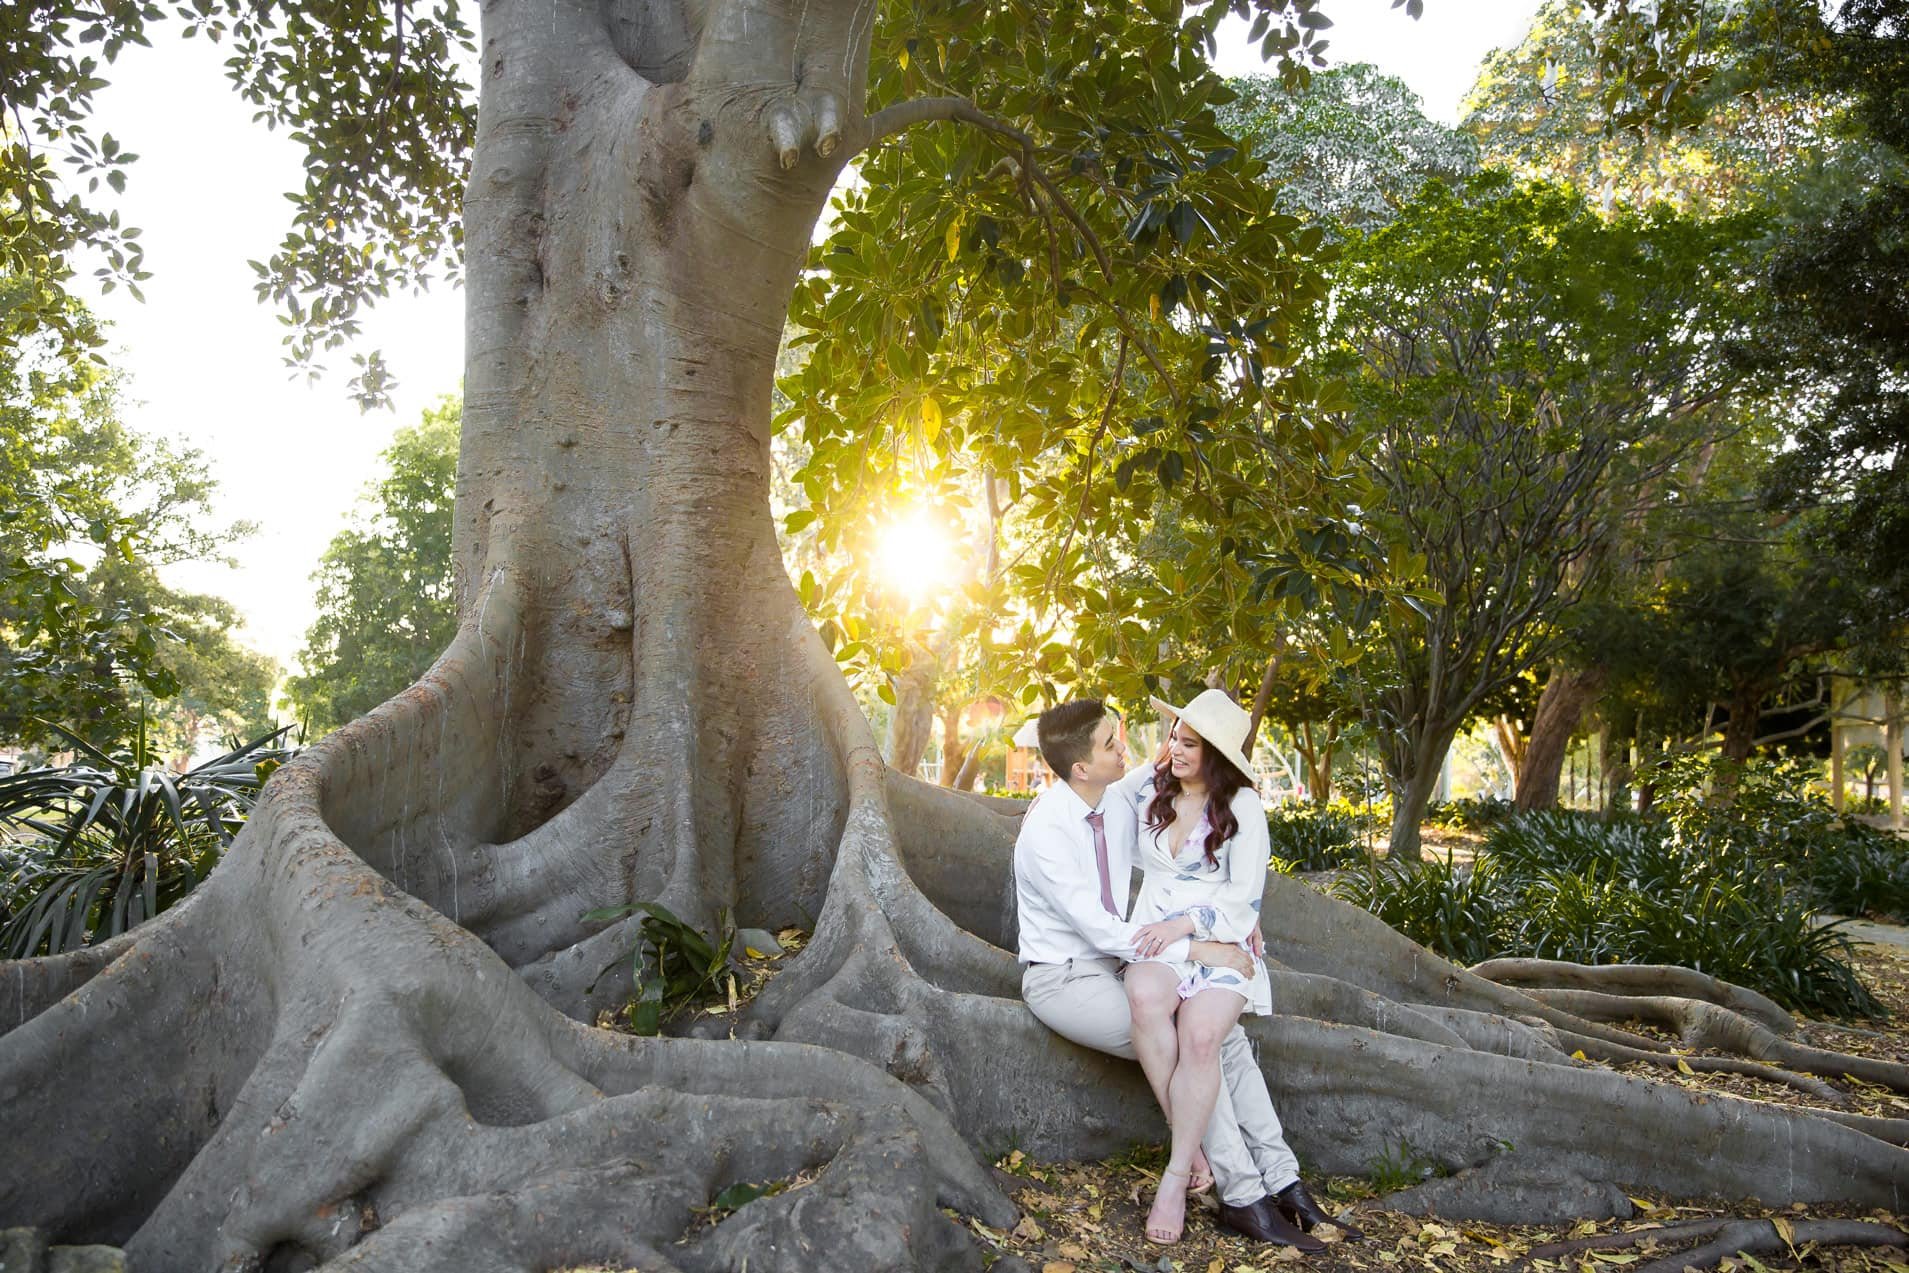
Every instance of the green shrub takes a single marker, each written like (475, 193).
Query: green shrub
(1566, 886)
(90, 849)
(1469, 813)
(1309, 838)
(1454, 910)
(1862, 874)
(672, 966)
(1777, 823)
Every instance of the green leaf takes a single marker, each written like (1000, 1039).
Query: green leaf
(736, 1195)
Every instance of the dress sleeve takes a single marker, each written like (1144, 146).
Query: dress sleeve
(1237, 900)
(1136, 787)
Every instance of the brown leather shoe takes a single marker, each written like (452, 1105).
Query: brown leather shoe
(1260, 1220)
(1296, 1204)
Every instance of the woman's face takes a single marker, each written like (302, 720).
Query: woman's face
(1184, 752)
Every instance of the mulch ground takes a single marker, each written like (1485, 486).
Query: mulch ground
(1087, 1217)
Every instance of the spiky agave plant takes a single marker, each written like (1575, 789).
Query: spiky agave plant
(91, 848)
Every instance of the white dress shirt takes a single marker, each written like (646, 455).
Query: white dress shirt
(1057, 880)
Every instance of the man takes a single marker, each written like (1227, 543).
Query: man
(1073, 863)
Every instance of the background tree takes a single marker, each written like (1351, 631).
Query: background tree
(372, 1016)
(89, 632)
(1349, 149)
(385, 604)
(1516, 360)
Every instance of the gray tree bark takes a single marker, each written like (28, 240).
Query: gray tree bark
(363, 1042)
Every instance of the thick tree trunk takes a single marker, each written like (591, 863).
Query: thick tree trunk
(363, 1042)
(1413, 770)
(1567, 692)
(1740, 729)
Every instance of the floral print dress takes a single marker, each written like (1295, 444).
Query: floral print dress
(1222, 897)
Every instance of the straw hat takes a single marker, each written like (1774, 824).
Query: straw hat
(1220, 722)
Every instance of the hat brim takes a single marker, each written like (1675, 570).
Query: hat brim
(1232, 754)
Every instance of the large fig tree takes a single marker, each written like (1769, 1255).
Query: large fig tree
(364, 1042)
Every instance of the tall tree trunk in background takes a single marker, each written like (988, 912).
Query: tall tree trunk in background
(1614, 757)
(911, 722)
(1316, 751)
(1892, 748)
(1740, 729)
(952, 750)
(1837, 779)
(1567, 692)
(1512, 746)
(1413, 769)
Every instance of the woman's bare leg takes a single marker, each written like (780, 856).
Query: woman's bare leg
(1153, 996)
(1201, 1023)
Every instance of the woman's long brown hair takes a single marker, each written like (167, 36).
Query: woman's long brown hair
(1222, 779)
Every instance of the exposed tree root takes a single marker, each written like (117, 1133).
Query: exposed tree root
(1599, 1050)
(1637, 980)
(358, 1080)
(1706, 1025)
(1725, 1236)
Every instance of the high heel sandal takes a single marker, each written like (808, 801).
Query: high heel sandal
(1160, 1234)
(1198, 1183)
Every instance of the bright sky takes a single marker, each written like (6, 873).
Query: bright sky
(204, 357)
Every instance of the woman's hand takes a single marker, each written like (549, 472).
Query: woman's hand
(1157, 936)
(1219, 954)
(1256, 942)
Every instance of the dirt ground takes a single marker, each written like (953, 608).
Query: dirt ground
(1087, 1217)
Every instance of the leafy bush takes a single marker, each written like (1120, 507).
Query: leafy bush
(90, 849)
(1862, 874)
(1310, 838)
(672, 966)
(1454, 910)
(1470, 813)
(1776, 822)
(1566, 886)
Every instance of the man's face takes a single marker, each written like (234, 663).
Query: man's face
(1108, 760)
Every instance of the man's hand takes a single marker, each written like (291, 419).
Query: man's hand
(1156, 937)
(1219, 954)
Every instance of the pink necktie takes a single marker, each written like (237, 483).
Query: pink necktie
(1096, 820)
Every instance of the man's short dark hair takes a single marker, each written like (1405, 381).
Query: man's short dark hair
(1067, 734)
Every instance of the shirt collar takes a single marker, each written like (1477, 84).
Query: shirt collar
(1076, 808)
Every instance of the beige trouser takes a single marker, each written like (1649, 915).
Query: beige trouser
(1084, 1000)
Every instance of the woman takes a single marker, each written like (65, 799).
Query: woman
(1204, 848)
